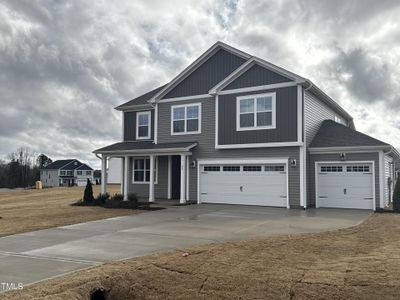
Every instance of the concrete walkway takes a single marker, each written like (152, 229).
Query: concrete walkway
(38, 255)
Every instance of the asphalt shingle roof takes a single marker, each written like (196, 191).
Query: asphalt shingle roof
(67, 164)
(58, 164)
(141, 99)
(131, 146)
(333, 134)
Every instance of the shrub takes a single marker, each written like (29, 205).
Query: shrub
(88, 194)
(117, 197)
(101, 199)
(396, 196)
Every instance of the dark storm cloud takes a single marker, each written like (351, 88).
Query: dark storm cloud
(66, 64)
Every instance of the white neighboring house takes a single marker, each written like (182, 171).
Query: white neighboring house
(67, 172)
(114, 170)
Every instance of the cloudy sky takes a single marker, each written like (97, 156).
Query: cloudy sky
(64, 65)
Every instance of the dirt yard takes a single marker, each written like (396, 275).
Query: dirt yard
(27, 210)
(362, 262)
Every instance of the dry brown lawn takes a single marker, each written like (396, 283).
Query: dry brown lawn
(362, 262)
(27, 210)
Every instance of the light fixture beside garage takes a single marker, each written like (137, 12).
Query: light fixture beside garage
(342, 156)
(293, 162)
(193, 163)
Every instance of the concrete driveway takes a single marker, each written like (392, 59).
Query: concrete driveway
(38, 255)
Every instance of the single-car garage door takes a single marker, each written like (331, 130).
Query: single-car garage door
(247, 184)
(345, 185)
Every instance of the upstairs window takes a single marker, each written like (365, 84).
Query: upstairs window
(256, 112)
(143, 127)
(186, 119)
(78, 172)
(89, 173)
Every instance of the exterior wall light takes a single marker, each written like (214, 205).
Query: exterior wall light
(342, 156)
(293, 162)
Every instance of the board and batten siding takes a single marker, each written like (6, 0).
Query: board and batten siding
(315, 112)
(256, 76)
(373, 156)
(130, 125)
(206, 147)
(286, 119)
(206, 76)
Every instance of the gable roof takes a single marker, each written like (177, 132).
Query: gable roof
(145, 100)
(333, 134)
(145, 146)
(198, 62)
(84, 167)
(58, 164)
(66, 164)
(140, 100)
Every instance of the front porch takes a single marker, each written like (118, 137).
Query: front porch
(150, 170)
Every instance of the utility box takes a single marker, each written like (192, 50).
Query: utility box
(39, 185)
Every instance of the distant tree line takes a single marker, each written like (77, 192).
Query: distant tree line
(22, 168)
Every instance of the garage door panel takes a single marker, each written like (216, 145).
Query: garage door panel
(250, 187)
(345, 185)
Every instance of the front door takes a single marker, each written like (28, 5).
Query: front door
(176, 177)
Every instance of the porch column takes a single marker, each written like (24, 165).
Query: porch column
(169, 195)
(183, 179)
(125, 178)
(103, 174)
(187, 177)
(122, 175)
(151, 185)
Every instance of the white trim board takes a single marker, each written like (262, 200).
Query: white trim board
(257, 88)
(259, 145)
(343, 163)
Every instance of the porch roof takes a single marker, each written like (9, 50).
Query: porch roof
(145, 147)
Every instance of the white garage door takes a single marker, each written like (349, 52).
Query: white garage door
(345, 185)
(252, 184)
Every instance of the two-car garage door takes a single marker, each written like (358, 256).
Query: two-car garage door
(247, 184)
(345, 185)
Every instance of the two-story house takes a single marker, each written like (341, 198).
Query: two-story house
(233, 128)
(66, 172)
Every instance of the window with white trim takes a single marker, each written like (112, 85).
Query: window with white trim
(141, 170)
(212, 168)
(89, 173)
(231, 168)
(78, 172)
(143, 125)
(251, 168)
(256, 112)
(186, 119)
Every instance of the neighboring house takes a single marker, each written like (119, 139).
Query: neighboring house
(67, 172)
(233, 128)
(114, 170)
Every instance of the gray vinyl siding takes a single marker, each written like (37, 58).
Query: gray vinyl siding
(49, 178)
(160, 189)
(130, 125)
(286, 119)
(312, 158)
(206, 147)
(214, 70)
(256, 76)
(315, 112)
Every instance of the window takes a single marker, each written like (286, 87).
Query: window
(78, 172)
(186, 119)
(272, 168)
(255, 112)
(143, 127)
(231, 168)
(252, 168)
(88, 172)
(328, 169)
(62, 173)
(357, 169)
(212, 168)
(141, 170)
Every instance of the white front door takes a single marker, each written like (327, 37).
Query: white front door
(247, 184)
(345, 185)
